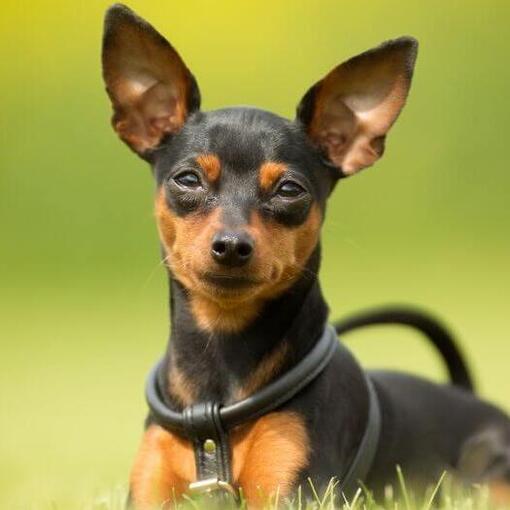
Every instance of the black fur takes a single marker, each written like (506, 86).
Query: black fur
(243, 139)
(426, 427)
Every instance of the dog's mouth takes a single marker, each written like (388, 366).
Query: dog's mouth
(229, 282)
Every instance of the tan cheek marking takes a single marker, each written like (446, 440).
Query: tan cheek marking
(163, 468)
(210, 164)
(269, 173)
(183, 238)
(175, 234)
(166, 221)
(264, 372)
(306, 236)
(288, 248)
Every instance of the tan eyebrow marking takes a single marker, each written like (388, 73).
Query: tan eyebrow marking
(269, 173)
(210, 164)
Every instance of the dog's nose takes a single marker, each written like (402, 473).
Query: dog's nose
(232, 249)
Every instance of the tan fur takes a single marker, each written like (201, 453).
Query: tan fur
(165, 465)
(500, 494)
(269, 455)
(181, 238)
(211, 166)
(226, 316)
(163, 469)
(288, 248)
(179, 386)
(280, 255)
(264, 372)
(269, 173)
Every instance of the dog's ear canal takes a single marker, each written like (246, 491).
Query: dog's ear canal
(348, 113)
(151, 89)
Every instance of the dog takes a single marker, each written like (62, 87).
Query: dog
(240, 199)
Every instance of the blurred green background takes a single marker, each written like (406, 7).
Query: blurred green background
(83, 309)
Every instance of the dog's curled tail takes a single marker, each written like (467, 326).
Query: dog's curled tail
(436, 332)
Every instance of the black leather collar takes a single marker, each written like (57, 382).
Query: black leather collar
(267, 399)
(207, 424)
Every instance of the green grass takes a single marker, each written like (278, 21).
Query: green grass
(443, 495)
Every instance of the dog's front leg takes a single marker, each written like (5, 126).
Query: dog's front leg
(162, 471)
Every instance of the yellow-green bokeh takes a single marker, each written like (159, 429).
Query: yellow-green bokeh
(83, 299)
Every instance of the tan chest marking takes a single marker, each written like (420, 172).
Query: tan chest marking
(264, 372)
(500, 493)
(267, 455)
(180, 386)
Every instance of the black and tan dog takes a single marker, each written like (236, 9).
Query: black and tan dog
(240, 198)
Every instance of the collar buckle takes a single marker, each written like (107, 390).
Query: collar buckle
(210, 485)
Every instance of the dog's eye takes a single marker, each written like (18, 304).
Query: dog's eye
(290, 189)
(188, 180)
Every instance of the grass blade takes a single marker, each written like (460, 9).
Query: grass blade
(403, 488)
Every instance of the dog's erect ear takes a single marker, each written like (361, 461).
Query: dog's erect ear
(348, 113)
(151, 89)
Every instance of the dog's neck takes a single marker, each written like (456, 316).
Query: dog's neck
(226, 367)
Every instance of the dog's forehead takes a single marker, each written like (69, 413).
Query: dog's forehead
(245, 138)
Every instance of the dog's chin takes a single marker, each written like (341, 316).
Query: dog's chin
(228, 289)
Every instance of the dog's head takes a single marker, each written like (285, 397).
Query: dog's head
(241, 192)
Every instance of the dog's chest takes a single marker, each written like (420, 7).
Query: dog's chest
(266, 455)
